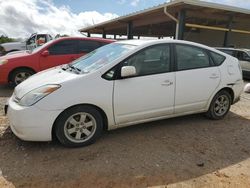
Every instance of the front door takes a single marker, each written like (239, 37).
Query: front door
(150, 94)
(62, 52)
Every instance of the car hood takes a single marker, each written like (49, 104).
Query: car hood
(15, 55)
(51, 76)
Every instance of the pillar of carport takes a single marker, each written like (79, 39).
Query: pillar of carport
(103, 33)
(181, 25)
(227, 33)
(130, 30)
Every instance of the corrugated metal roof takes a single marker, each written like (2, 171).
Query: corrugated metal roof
(169, 4)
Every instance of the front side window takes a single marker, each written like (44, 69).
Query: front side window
(31, 40)
(64, 47)
(190, 57)
(153, 60)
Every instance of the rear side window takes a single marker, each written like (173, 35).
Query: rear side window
(86, 46)
(217, 58)
(190, 57)
(64, 47)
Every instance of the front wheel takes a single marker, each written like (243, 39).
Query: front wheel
(220, 105)
(79, 126)
(19, 75)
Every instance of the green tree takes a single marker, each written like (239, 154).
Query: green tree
(4, 39)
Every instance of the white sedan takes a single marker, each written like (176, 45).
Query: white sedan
(121, 84)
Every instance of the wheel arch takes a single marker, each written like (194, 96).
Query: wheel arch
(230, 91)
(18, 68)
(103, 114)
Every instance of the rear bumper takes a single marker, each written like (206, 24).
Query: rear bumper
(237, 89)
(236, 100)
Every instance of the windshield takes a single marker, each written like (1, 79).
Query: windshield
(40, 47)
(248, 52)
(101, 57)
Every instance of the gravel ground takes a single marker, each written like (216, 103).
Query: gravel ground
(189, 151)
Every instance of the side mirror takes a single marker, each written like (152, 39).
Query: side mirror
(128, 71)
(45, 53)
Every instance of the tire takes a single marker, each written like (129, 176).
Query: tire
(79, 126)
(19, 75)
(220, 105)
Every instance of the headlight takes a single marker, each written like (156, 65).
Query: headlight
(4, 61)
(36, 95)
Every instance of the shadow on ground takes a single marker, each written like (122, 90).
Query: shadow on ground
(6, 90)
(148, 154)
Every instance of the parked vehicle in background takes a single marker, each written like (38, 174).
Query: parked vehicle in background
(243, 55)
(34, 41)
(121, 84)
(17, 67)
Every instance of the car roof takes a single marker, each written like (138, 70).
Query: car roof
(241, 49)
(86, 38)
(145, 42)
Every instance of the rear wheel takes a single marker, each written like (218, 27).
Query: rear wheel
(19, 75)
(220, 105)
(79, 126)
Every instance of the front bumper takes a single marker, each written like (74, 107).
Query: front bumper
(3, 75)
(31, 123)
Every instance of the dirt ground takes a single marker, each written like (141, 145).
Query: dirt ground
(189, 151)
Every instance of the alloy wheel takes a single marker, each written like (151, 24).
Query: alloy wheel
(80, 127)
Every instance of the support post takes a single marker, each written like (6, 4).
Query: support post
(227, 33)
(103, 33)
(89, 34)
(130, 30)
(181, 25)
(115, 37)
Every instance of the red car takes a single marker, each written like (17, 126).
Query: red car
(17, 67)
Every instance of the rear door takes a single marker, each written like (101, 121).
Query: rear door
(196, 78)
(61, 52)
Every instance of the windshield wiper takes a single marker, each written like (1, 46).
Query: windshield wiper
(74, 68)
(71, 68)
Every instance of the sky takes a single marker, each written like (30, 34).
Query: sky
(21, 18)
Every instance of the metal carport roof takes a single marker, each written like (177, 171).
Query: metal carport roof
(176, 17)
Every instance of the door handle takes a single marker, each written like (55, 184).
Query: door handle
(167, 83)
(214, 76)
